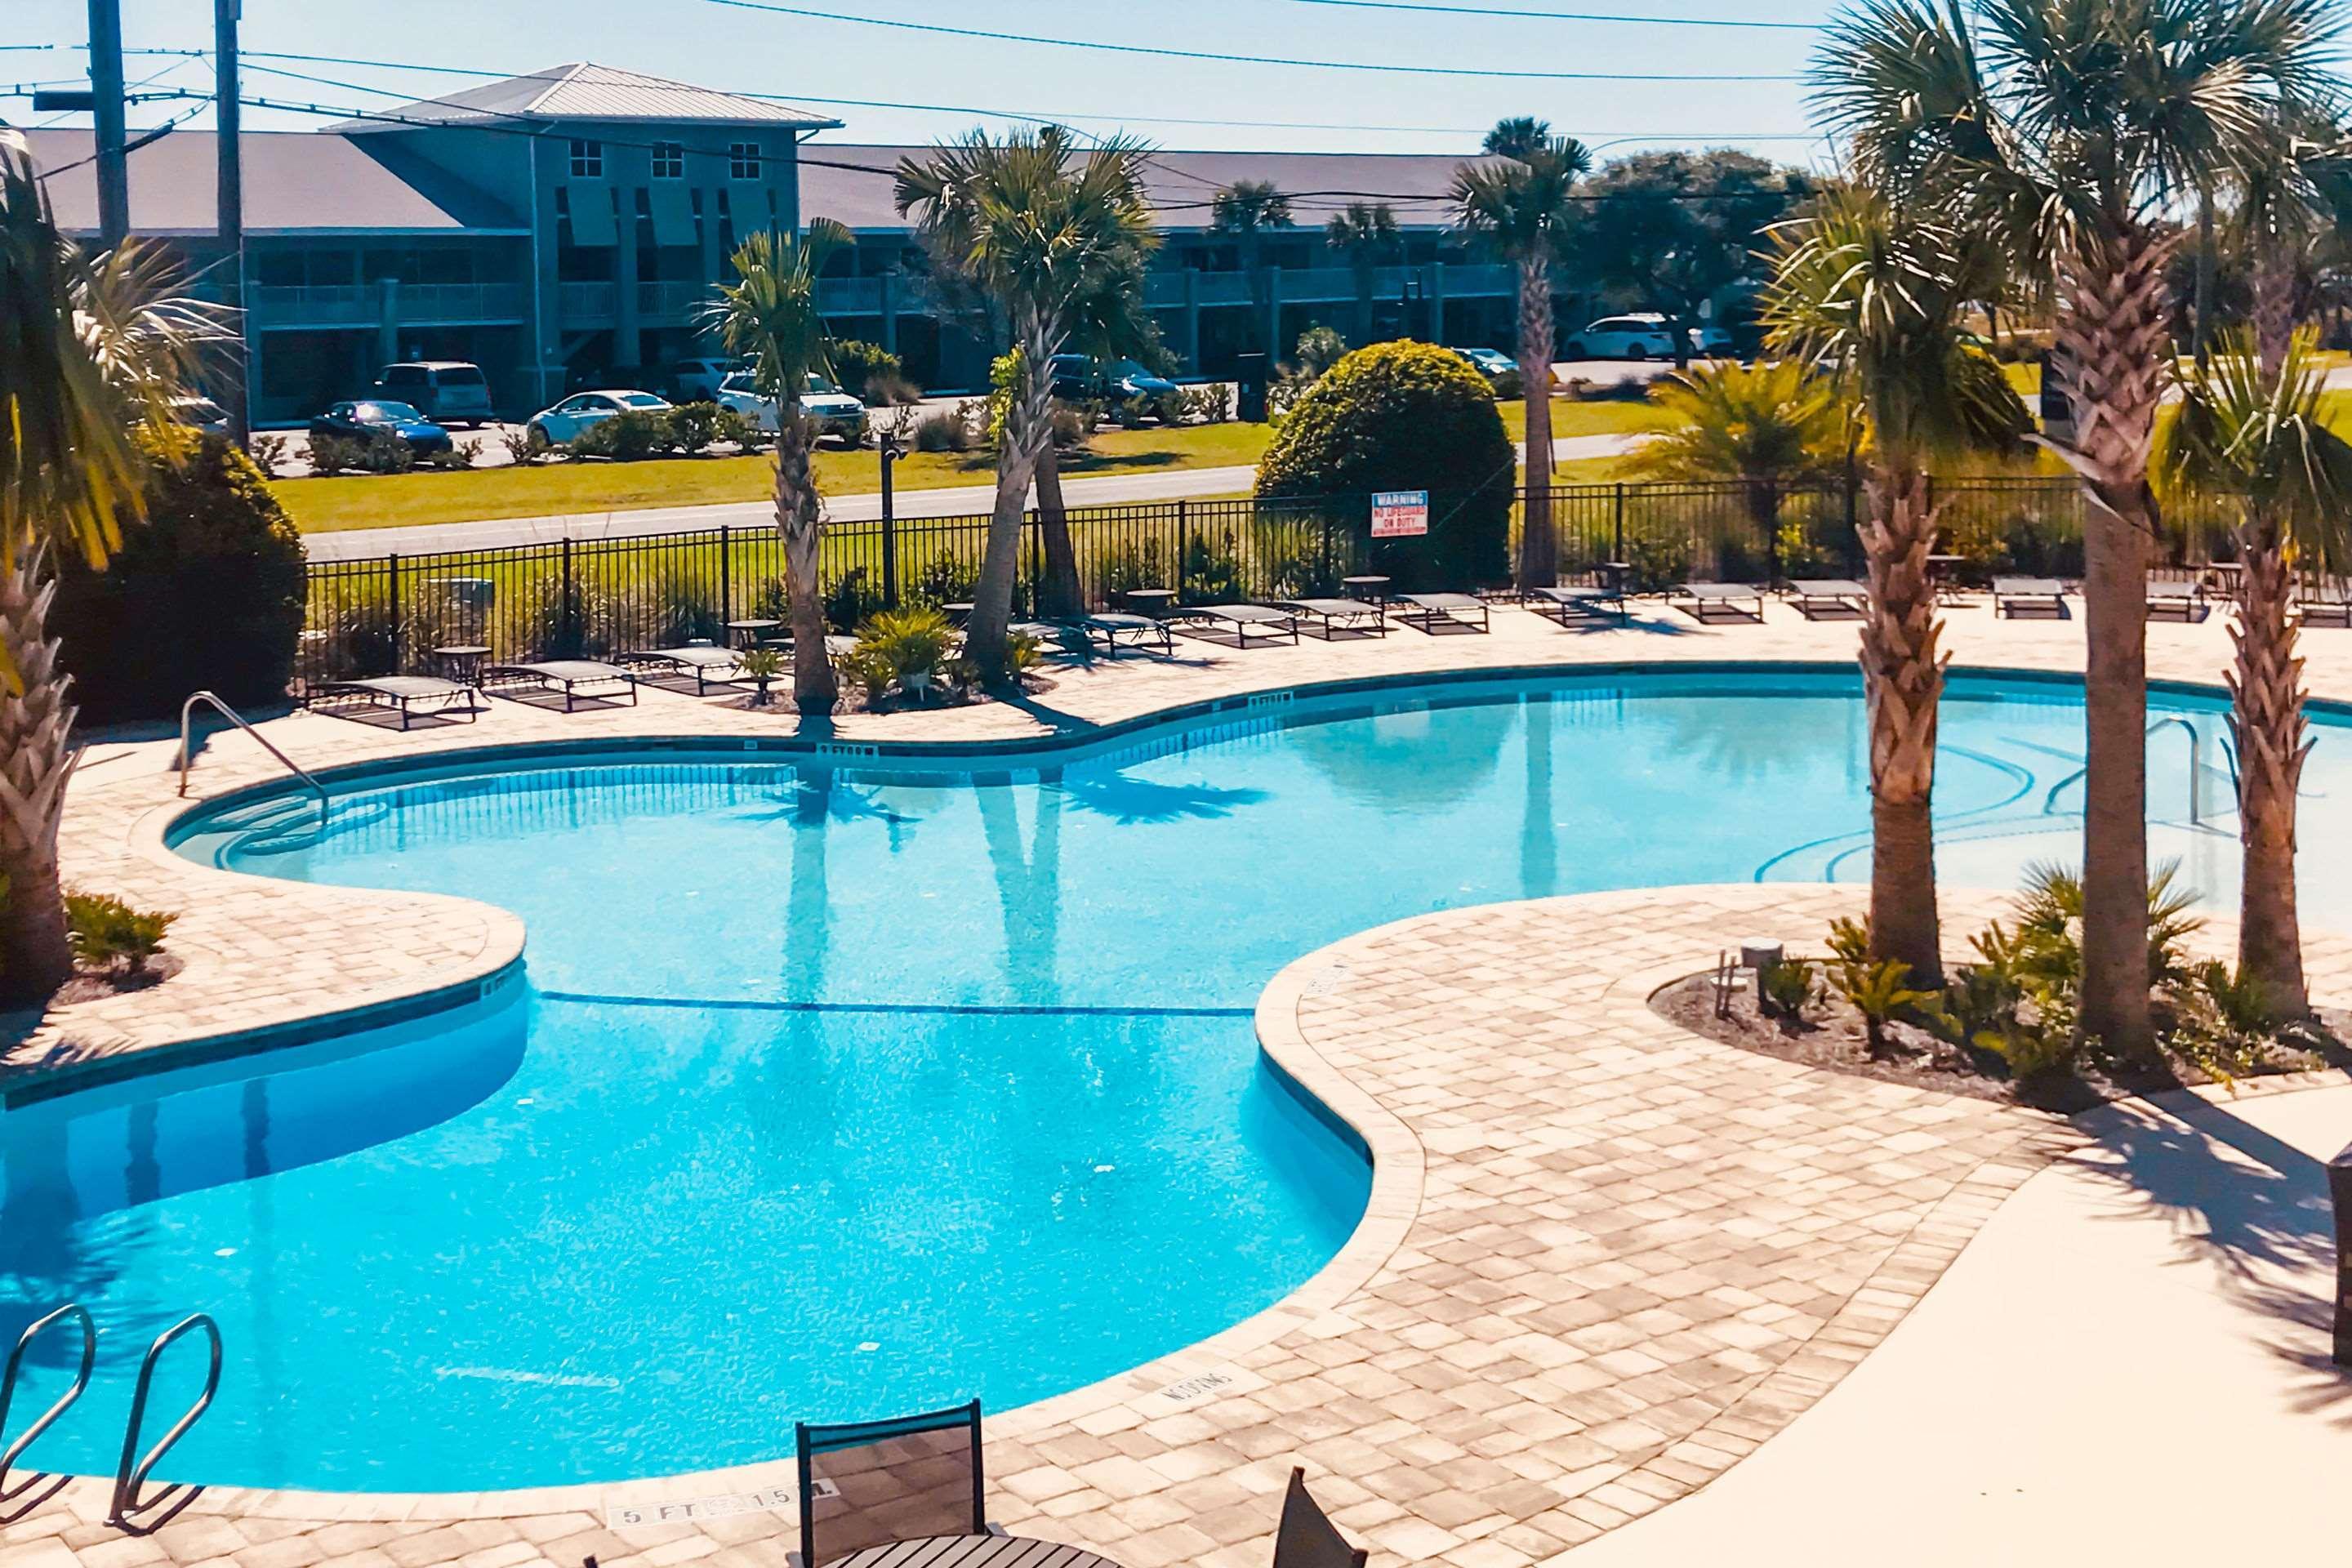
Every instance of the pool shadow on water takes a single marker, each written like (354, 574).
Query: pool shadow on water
(2261, 1221)
(1132, 802)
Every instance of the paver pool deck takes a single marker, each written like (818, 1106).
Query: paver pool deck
(1604, 1260)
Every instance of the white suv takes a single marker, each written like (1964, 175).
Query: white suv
(835, 412)
(1622, 337)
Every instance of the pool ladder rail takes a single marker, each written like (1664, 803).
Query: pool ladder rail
(127, 1510)
(187, 753)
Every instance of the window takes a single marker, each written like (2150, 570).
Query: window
(743, 160)
(587, 159)
(669, 160)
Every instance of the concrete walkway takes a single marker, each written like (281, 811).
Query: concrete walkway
(2128, 1365)
(961, 501)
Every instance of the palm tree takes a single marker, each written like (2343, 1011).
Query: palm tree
(1250, 210)
(1366, 235)
(2289, 207)
(93, 348)
(1523, 204)
(2074, 128)
(1058, 242)
(2257, 441)
(769, 316)
(1875, 296)
(1764, 426)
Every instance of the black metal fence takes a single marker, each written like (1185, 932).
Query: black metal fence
(603, 597)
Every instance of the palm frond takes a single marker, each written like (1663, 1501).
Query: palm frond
(2262, 442)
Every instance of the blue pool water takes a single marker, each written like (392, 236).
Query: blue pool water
(849, 1090)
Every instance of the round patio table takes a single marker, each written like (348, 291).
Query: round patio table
(973, 1551)
(958, 612)
(1367, 589)
(462, 662)
(747, 631)
(1151, 601)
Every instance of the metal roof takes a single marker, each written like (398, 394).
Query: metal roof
(583, 91)
(852, 184)
(295, 181)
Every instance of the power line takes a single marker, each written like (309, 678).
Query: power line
(1036, 118)
(1162, 52)
(1564, 15)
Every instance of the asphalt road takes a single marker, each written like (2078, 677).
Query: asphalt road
(346, 544)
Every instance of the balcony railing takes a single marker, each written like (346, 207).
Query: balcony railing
(672, 301)
(410, 304)
(579, 302)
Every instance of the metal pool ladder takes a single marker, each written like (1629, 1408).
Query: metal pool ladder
(78, 1315)
(130, 1475)
(187, 755)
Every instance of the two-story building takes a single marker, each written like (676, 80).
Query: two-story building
(565, 227)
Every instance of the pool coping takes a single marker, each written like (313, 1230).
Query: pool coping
(1399, 1163)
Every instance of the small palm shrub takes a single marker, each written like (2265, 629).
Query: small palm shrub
(910, 645)
(1881, 993)
(105, 931)
(1790, 987)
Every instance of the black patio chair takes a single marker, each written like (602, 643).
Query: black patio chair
(906, 1479)
(1305, 1538)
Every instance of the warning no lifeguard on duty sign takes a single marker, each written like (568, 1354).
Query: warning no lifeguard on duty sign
(1396, 515)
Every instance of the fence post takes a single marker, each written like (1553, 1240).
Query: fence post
(725, 584)
(1184, 543)
(566, 627)
(399, 633)
(1619, 553)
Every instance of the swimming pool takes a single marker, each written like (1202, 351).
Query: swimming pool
(850, 1087)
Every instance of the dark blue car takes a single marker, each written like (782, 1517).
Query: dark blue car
(360, 420)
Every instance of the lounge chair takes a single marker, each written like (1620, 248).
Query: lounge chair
(1115, 629)
(2323, 603)
(1574, 606)
(1708, 603)
(567, 676)
(1332, 616)
(1240, 621)
(405, 693)
(1428, 611)
(2178, 601)
(1818, 597)
(876, 1483)
(1305, 1538)
(706, 662)
(2013, 595)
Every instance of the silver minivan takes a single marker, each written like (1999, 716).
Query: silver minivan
(447, 391)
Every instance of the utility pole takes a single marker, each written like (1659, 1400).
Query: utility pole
(228, 119)
(106, 88)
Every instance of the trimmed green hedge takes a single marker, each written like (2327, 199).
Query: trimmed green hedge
(206, 592)
(1406, 416)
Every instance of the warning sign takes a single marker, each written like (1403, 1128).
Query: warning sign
(1399, 514)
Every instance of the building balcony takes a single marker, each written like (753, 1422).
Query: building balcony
(401, 304)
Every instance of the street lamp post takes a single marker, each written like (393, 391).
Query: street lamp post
(891, 453)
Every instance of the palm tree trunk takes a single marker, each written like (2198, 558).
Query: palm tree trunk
(815, 689)
(1903, 685)
(37, 760)
(2273, 306)
(1538, 544)
(2266, 719)
(2113, 331)
(1060, 593)
(1028, 429)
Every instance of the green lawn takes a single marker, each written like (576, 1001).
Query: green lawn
(1598, 417)
(398, 500)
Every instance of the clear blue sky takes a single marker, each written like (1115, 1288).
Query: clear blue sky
(714, 44)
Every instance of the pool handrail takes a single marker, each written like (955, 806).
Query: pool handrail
(187, 758)
(48, 1418)
(129, 1476)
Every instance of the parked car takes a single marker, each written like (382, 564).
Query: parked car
(1492, 363)
(1636, 337)
(698, 380)
(360, 418)
(449, 390)
(553, 426)
(835, 412)
(1076, 378)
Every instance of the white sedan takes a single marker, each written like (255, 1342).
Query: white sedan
(553, 426)
(834, 411)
